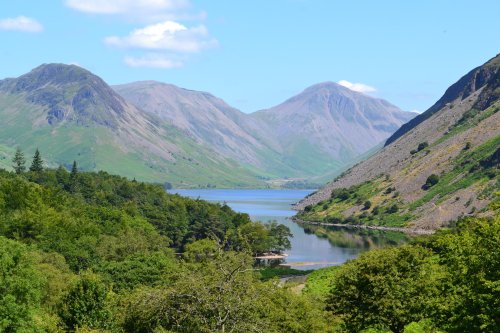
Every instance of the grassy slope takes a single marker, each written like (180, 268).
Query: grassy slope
(464, 173)
(95, 148)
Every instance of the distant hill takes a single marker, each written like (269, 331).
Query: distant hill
(312, 134)
(439, 167)
(159, 132)
(328, 125)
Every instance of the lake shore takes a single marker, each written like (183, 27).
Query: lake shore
(409, 231)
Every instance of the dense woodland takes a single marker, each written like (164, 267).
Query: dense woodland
(92, 252)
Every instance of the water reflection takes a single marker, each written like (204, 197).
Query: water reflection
(312, 246)
(360, 239)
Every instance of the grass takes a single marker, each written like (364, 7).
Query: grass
(269, 273)
(461, 176)
(319, 282)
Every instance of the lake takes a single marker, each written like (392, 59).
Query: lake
(312, 246)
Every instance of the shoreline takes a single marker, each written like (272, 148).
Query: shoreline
(369, 227)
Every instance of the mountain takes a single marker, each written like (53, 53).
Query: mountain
(482, 76)
(71, 114)
(205, 118)
(314, 133)
(327, 126)
(159, 132)
(438, 168)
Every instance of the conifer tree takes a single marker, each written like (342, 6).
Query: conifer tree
(73, 178)
(74, 170)
(19, 162)
(37, 164)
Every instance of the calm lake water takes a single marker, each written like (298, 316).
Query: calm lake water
(312, 247)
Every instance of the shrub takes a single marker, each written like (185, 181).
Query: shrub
(367, 204)
(422, 146)
(393, 209)
(432, 180)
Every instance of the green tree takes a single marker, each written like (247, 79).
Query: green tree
(86, 304)
(73, 178)
(387, 288)
(20, 287)
(472, 256)
(19, 161)
(279, 236)
(37, 163)
(431, 180)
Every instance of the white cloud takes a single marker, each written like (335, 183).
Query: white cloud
(359, 87)
(142, 10)
(20, 23)
(168, 35)
(416, 111)
(153, 61)
(125, 6)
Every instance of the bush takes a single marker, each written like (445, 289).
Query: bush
(431, 180)
(393, 209)
(367, 204)
(422, 146)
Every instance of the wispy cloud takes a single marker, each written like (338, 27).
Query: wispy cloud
(153, 61)
(20, 23)
(359, 87)
(144, 10)
(168, 35)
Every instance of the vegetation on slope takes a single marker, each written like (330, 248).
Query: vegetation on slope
(376, 202)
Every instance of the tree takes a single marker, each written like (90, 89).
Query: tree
(37, 164)
(86, 304)
(387, 288)
(280, 236)
(20, 287)
(19, 162)
(73, 177)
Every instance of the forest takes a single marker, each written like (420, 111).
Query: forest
(93, 252)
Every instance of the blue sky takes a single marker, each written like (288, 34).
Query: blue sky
(255, 54)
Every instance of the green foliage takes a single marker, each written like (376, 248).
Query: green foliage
(20, 288)
(390, 288)
(471, 255)
(98, 238)
(222, 295)
(320, 282)
(431, 180)
(87, 304)
(37, 163)
(268, 273)
(19, 162)
(279, 235)
(367, 204)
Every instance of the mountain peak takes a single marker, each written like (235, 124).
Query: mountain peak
(68, 93)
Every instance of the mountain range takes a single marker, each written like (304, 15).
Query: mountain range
(159, 132)
(439, 167)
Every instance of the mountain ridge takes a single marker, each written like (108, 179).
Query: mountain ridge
(159, 132)
(456, 145)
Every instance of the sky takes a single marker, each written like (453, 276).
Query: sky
(256, 54)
